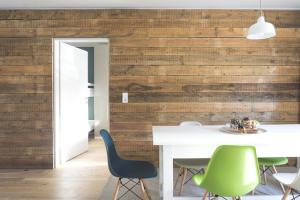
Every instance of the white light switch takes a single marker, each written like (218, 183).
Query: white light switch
(125, 97)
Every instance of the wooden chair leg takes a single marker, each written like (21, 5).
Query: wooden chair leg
(182, 180)
(115, 197)
(281, 185)
(144, 190)
(265, 175)
(205, 195)
(179, 175)
(286, 194)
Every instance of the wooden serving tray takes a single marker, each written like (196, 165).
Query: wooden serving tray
(242, 131)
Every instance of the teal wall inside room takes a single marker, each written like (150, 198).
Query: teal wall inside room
(90, 51)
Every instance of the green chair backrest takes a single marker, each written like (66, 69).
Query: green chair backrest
(232, 171)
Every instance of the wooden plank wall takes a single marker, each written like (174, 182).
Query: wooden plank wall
(176, 65)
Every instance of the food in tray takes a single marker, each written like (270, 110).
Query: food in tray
(244, 125)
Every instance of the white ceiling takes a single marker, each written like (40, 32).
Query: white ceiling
(204, 4)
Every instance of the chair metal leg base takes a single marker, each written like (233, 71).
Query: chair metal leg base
(183, 173)
(273, 170)
(124, 184)
(295, 194)
(264, 170)
(217, 197)
(212, 196)
(193, 172)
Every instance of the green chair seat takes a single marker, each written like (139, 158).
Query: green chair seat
(273, 161)
(196, 164)
(233, 171)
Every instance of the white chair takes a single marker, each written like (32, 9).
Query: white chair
(291, 181)
(190, 123)
(192, 166)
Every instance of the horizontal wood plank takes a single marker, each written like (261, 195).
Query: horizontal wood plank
(37, 124)
(38, 70)
(211, 118)
(217, 51)
(203, 60)
(205, 42)
(158, 97)
(202, 70)
(119, 80)
(211, 107)
(25, 108)
(143, 14)
(26, 98)
(117, 89)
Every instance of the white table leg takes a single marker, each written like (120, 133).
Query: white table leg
(160, 171)
(167, 173)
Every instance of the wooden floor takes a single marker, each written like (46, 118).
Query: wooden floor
(81, 178)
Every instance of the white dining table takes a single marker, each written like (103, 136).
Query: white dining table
(201, 141)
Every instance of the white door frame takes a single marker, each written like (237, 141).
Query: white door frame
(56, 88)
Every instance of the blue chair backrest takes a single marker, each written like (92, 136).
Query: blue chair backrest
(112, 156)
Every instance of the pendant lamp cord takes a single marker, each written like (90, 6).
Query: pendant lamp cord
(261, 12)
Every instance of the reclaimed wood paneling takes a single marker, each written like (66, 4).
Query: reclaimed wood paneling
(176, 65)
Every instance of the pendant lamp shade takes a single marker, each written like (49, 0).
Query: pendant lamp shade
(261, 30)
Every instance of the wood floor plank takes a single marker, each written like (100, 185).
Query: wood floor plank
(82, 178)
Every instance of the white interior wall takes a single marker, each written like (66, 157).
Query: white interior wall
(101, 87)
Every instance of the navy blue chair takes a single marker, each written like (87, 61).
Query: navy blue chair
(132, 170)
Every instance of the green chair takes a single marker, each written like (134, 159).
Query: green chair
(233, 171)
(270, 164)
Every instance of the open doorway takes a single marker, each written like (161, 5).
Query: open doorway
(80, 94)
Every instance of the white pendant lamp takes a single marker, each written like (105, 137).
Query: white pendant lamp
(261, 29)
